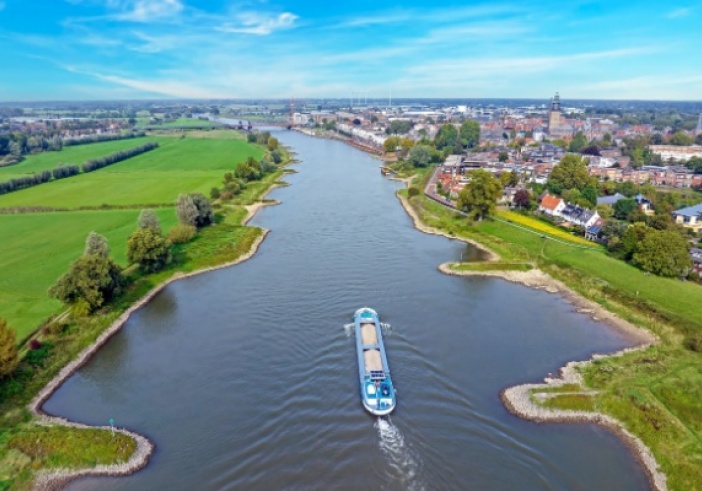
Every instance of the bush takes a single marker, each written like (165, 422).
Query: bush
(412, 192)
(226, 195)
(148, 248)
(214, 193)
(34, 344)
(180, 234)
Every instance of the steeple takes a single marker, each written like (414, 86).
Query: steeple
(556, 103)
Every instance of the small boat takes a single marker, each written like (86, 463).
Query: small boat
(377, 392)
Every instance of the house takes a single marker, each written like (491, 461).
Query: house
(579, 216)
(551, 205)
(594, 231)
(644, 204)
(690, 217)
(610, 200)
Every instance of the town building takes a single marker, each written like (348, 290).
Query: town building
(690, 217)
(676, 153)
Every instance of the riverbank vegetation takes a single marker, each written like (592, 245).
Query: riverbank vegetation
(138, 255)
(654, 392)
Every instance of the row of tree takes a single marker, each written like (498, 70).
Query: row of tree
(113, 158)
(68, 142)
(64, 171)
(25, 182)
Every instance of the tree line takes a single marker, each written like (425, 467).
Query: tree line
(71, 142)
(64, 171)
(113, 158)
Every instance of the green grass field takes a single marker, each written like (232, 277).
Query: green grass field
(182, 123)
(153, 178)
(69, 155)
(37, 248)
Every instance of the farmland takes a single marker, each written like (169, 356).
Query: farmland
(69, 155)
(37, 248)
(155, 178)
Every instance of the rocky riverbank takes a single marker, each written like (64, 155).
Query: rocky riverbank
(519, 399)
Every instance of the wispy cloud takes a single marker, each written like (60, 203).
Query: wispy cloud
(681, 12)
(148, 10)
(259, 24)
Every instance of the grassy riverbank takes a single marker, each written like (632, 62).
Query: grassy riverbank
(655, 393)
(27, 449)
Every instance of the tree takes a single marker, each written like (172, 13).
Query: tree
(664, 253)
(272, 144)
(624, 208)
(9, 358)
(215, 193)
(205, 215)
(503, 156)
(631, 240)
(470, 133)
(391, 144)
(447, 137)
(480, 195)
(605, 211)
(96, 244)
(149, 249)
(590, 195)
(186, 211)
(513, 178)
(681, 138)
(149, 219)
(578, 143)
(570, 173)
(91, 281)
(420, 156)
(399, 127)
(522, 199)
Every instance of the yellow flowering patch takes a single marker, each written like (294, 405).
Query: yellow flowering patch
(543, 227)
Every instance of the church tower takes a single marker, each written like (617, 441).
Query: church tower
(554, 115)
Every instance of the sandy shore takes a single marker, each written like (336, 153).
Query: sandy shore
(251, 210)
(518, 399)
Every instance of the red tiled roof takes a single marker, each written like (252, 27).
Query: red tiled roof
(550, 202)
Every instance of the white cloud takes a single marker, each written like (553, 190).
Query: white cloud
(147, 10)
(677, 13)
(260, 24)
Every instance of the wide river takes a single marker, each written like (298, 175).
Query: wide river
(246, 378)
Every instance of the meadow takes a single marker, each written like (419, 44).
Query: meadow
(77, 155)
(155, 178)
(37, 248)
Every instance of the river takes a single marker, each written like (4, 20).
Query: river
(246, 378)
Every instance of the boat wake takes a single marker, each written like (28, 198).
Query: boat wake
(405, 466)
(349, 329)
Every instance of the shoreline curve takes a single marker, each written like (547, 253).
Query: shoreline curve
(55, 479)
(517, 399)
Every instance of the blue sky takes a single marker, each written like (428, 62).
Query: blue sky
(107, 49)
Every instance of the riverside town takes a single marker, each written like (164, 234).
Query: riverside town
(401, 246)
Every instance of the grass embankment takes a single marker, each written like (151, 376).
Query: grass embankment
(30, 446)
(38, 250)
(655, 392)
(155, 178)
